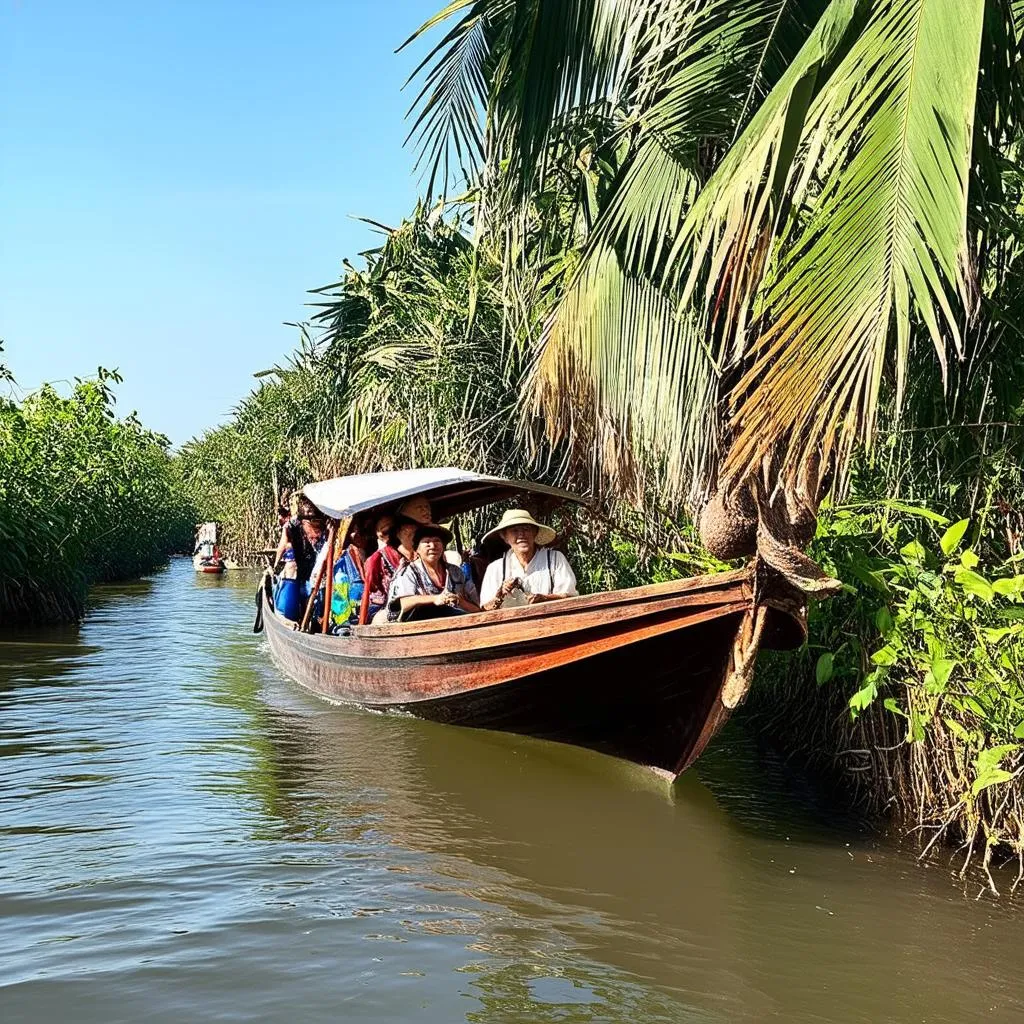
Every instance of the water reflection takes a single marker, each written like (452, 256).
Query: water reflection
(206, 839)
(672, 890)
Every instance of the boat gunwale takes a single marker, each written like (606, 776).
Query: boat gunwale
(496, 636)
(565, 606)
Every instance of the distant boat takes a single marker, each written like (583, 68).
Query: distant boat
(207, 557)
(208, 563)
(649, 674)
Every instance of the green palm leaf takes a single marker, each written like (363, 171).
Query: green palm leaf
(564, 54)
(884, 163)
(647, 368)
(610, 375)
(509, 70)
(447, 130)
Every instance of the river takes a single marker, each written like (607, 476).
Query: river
(185, 835)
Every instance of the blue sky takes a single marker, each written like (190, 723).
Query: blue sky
(175, 174)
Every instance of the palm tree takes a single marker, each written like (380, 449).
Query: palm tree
(810, 203)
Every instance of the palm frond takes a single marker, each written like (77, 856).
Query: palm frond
(791, 22)
(647, 371)
(508, 70)
(563, 54)
(742, 200)
(452, 101)
(1017, 11)
(621, 369)
(883, 171)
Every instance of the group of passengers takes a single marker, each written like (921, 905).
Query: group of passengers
(398, 566)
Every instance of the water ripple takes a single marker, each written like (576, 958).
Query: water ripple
(184, 834)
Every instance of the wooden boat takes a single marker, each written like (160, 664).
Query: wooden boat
(208, 564)
(649, 674)
(207, 557)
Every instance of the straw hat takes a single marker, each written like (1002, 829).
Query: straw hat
(520, 517)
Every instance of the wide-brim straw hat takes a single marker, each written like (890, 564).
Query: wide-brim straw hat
(432, 530)
(520, 517)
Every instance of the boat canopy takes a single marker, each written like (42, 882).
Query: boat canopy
(450, 491)
(206, 533)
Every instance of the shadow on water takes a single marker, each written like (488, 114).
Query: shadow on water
(45, 655)
(768, 797)
(727, 894)
(40, 657)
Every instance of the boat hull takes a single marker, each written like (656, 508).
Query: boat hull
(647, 674)
(208, 565)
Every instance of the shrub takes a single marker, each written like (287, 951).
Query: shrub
(911, 697)
(84, 497)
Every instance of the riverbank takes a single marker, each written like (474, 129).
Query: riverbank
(85, 498)
(908, 701)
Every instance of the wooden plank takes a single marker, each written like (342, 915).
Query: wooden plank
(381, 681)
(513, 632)
(695, 584)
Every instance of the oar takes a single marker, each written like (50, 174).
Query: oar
(257, 626)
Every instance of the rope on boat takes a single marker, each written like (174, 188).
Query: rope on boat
(743, 657)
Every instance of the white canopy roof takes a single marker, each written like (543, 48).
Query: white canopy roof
(449, 490)
(207, 533)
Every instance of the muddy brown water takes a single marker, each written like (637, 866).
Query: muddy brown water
(186, 835)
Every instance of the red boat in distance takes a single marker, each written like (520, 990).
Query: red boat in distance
(207, 557)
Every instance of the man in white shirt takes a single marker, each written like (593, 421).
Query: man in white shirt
(529, 572)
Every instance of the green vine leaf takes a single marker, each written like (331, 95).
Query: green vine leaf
(884, 621)
(938, 674)
(864, 697)
(969, 560)
(953, 537)
(987, 767)
(825, 668)
(1009, 586)
(975, 584)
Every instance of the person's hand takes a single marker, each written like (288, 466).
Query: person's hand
(509, 585)
(446, 599)
(535, 598)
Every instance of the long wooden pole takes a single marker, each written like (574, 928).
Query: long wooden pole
(329, 582)
(313, 591)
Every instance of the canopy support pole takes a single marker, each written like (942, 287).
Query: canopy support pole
(332, 536)
(313, 590)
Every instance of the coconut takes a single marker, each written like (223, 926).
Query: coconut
(728, 525)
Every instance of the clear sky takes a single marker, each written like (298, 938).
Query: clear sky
(175, 174)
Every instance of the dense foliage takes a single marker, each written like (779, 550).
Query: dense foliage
(85, 497)
(804, 190)
(698, 241)
(405, 364)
